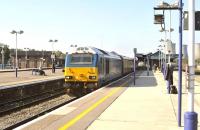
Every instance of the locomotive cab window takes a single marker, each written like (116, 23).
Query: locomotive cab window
(81, 59)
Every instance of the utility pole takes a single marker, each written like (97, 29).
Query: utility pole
(2, 53)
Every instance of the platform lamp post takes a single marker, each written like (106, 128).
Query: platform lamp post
(2, 54)
(164, 56)
(170, 30)
(167, 41)
(73, 47)
(26, 57)
(159, 57)
(169, 58)
(53, 54)
(134, 60)
(176, 6)
(148, 65)
(191, 117)
(163, 46)
(160, 48)
(43, 58)
(16, 60)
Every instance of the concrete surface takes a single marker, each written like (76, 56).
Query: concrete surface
(145, 106)
(8, 78)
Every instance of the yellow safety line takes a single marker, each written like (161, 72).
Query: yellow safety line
(81, 115)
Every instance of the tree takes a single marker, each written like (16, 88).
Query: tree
(6, 52)
(60, 54)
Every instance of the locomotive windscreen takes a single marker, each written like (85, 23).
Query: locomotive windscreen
(81, 59)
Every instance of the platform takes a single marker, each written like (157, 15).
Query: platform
(9, 78)
(145, 106)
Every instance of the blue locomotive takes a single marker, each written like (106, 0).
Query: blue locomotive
(90, 67)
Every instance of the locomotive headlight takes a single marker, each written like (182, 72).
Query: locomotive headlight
(92, 77)
(68, 77)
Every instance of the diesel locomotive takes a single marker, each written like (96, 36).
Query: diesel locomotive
(90, 67)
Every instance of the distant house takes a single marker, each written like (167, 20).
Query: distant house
(33, 59)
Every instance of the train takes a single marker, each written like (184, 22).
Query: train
(89, 68)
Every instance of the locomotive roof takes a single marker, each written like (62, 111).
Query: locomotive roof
(124, 57)
(128, 58)
(92, 50)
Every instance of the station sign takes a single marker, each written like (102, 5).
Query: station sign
(197, 20)
(158, 19)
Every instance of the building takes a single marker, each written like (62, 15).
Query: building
(155, 58)
(33, 59)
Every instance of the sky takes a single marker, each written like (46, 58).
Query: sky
(112, 25)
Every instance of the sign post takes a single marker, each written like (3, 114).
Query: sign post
(53, 56)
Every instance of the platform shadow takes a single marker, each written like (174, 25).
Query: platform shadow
(143, 79)
(146, 80)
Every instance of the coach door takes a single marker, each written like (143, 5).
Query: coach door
(107, 69)
(103, 68)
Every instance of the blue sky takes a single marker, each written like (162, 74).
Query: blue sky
(112, 25)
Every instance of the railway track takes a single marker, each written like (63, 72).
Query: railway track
(20, 111)
(37, 115)
(25, 110)
(24, 102)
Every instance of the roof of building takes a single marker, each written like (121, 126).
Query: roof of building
(32, 53)
(156, 55)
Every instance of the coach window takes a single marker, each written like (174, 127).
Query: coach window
(107, 66)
